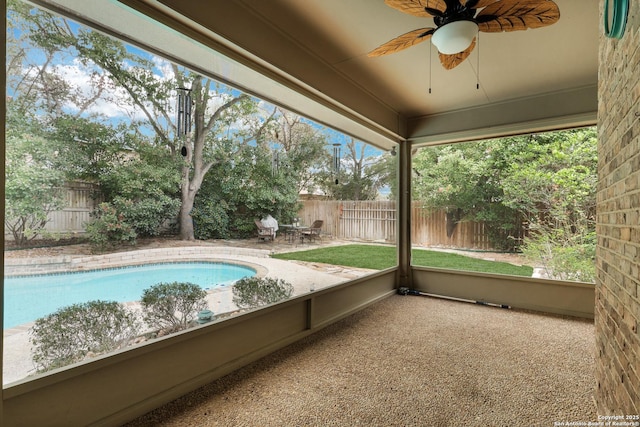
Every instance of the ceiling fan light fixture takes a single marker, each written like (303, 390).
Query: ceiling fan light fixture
(454, 37)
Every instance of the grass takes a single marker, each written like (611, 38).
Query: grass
(381, 257)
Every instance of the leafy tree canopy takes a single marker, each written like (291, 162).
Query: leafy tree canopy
(361, 174)
(33, 185)
(121, 130)
(503, 182)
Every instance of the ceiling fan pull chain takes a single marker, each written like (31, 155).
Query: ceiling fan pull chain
(430, 56)
(478, 63)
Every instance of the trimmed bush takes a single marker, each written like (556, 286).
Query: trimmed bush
(251, 292)
(81, 330)
(172, 307)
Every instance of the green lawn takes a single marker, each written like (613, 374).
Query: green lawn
(381, 257)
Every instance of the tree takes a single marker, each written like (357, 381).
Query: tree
(250, 186)
(90, 148)
(558, 173)
(35, 65)
(219, 113)
(361, 176)
(143, 187)
(508, 181)
(33, 186)
(300, 149)
(464, 180)
(263, 178)
(199, 160)
(385, 170)
(554, 186)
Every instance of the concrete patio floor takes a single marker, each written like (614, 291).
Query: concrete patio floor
(409, 361)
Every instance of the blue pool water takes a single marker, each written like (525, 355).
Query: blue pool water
(28, 298)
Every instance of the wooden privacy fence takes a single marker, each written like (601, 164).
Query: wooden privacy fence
(366, 220)
(429, 228)
(78, 205)
(79, 202)
(357, 220)
(376, 221)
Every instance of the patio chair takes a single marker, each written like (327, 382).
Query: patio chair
(265, 233)
(312, 233)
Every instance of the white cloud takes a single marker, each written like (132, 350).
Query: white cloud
(114, 102)
(84, 79)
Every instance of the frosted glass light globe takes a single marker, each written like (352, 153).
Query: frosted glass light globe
(454, 37)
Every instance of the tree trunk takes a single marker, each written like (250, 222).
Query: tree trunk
(452, 218)
(187, 231)
(194, 168)
(188, 190)
(190, 187)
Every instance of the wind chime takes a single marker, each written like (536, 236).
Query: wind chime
(336, 161)
(184, 116)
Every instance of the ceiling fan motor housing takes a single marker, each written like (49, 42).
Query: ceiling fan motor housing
(455, 11)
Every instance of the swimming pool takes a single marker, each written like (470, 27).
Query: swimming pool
(28, 298)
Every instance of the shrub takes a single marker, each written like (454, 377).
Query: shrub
(109, 228)
(33, 188)
(255, 292)
(563, 255)
(172, 307)
(211, 220)
(77, 331)
(147, 215)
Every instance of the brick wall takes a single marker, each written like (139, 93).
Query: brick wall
(617, 312)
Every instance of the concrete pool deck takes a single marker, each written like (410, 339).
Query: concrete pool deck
(304, 278)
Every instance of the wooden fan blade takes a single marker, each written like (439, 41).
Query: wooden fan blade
(417, 7)
(451, 61)
(402, 42)
(484, 3)
(515, 15)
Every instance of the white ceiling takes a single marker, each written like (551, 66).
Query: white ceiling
(511, 65)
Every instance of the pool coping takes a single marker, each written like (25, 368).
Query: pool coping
(78, 264)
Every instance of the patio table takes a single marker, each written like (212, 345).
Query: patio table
(292, 232)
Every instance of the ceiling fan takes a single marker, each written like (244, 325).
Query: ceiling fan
(458, 22)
